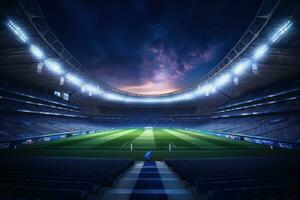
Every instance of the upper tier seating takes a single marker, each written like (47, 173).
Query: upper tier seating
(277, 126)
(242, 178)
(276, 99)
(57, 178)
(273, 112)
(17, 98)
(275, 92)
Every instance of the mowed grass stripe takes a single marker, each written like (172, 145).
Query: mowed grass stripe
(144, 141)
(163, 139)
(100, 140)
(77, 139)
(121, 140)
(89, 143)
(219, 141)
(194, 140)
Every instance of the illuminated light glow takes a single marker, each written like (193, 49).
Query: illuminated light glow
(281, 31)
(222, 80)
(113, 97)
(37, 52)
(207, 89)
(167, 99)
(61, 81)
(200, 90)
(185, 96)
(241, 67)
(260, 51)
(213, 89)
(245, 114)
(99, 91)
(17, 31)
(255, 68)
(53, 66)
(90, 88)
(151, 100)
(74, 79)
(197, 91)
(131, 99)
(236, 80)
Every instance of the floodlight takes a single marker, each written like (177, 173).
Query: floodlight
(281, 31)
(90, 88)
(113, 96)
(129, 99)
(184, 96)
(53, 66)
(166, 99)
(200, 90)
(150, 100)
(74, 79)
(207, 89)
(260, 51)
(241, 67)
(17, 31)
(37, 52)
(222, 80)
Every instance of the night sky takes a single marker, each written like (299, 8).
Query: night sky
(149, 47)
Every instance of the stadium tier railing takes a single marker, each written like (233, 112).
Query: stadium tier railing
(276, 92)
(45, 138)
(34, 95)
(268, 103)
(9, 99)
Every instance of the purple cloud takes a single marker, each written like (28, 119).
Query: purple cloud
(163, 68)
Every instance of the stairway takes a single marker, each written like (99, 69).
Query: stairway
(149, 180)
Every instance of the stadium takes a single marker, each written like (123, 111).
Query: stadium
(69, 131)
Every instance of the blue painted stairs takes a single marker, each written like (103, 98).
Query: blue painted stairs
(149, 180)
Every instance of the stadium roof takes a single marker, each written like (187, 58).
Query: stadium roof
(267, 52)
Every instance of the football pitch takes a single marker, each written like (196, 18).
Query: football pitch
(135, 142)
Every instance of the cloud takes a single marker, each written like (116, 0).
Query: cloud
(150, 88)
(163, 68)
(149, 46)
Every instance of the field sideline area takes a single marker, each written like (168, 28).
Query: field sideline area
(117, 143)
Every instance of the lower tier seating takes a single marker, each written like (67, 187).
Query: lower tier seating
(57, 178)
(242, 178)
(280, 126)
(14, 125)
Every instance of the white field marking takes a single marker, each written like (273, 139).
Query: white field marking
(145, 139)
(190, 139)
(104, 139)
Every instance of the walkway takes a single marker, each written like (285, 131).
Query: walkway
(149, 180)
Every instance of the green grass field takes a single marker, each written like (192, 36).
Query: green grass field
(116, 143)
